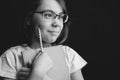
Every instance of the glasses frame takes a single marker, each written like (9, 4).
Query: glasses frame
(56, 15)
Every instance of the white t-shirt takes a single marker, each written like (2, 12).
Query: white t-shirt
(10, 60)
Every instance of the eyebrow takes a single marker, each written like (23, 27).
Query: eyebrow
(49, 11)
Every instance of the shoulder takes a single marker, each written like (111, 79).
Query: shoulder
(74, 59)
(69, 51)
(15, 50)
(9, 61)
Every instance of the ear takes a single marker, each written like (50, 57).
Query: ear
(28, 19)
(28, 22)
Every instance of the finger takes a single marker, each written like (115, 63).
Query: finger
(25, 69)
(24, 72)
(22, 78)
(24, 75)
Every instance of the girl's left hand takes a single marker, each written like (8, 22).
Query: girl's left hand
(23, 73)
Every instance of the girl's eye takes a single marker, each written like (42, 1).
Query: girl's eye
(48, 15)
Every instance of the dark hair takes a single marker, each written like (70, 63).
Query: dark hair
(29, 29)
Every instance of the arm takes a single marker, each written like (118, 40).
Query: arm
(76, 62)
(7, 66)
(8, 79)
(77, 75)
(3, 78)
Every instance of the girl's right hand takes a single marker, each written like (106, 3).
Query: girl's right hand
(42, 64)
(23, 73)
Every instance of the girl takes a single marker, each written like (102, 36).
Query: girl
(43, 58)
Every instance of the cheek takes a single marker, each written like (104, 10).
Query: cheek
(37, 20)
(62, 26)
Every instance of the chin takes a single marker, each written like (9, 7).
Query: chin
(51, 40)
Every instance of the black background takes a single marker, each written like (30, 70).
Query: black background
(94, 33)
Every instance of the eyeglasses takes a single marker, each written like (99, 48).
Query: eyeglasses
(50, 15)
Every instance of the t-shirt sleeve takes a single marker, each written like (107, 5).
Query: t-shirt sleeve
(76, 62)
(7, 65)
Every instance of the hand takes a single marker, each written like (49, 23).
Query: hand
(42, 64)
(23, 73)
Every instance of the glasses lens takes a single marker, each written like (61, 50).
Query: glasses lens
(48, 15)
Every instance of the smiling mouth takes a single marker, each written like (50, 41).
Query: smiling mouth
(54, 32)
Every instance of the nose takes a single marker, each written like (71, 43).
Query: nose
(56, 23)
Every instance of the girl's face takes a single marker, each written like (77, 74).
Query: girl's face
(43, 19)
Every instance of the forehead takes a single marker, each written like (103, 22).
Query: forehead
(50, 5)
